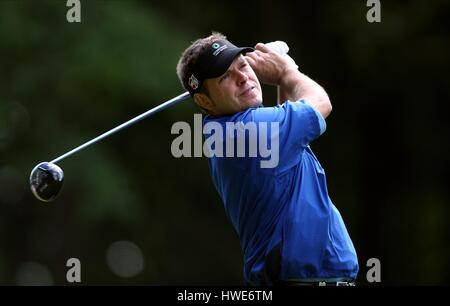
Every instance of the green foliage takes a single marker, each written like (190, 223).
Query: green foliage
(386, 148)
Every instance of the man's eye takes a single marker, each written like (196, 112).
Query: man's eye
(224, 77)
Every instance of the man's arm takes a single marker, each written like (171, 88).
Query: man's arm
(295, 85)
(273, 69)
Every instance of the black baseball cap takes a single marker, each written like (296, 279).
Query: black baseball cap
(213, 62)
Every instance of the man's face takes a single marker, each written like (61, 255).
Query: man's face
(236, 90)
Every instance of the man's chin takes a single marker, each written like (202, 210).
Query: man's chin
(255, 102)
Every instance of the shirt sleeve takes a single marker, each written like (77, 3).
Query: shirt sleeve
(322, 123)
(299, 123)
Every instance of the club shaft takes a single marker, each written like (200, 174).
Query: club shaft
(148, 113)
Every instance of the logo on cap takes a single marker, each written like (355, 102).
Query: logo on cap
(215, 45)
(217, 52)
(193, 82)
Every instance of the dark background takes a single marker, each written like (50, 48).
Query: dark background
(386, 149)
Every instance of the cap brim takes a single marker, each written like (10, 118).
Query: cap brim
(225, 60)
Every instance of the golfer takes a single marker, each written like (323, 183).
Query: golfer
(290, 231)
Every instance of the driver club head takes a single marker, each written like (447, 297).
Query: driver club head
(46, 180)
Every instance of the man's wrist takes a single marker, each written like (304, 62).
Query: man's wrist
(289, 76)
(289, 84)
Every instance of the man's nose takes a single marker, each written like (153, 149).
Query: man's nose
(241, 78)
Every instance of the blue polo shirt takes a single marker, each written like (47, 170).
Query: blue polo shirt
(286, 207)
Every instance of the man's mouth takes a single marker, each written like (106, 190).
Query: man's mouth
(247, 91)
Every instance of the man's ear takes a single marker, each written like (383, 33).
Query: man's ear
(204, 102)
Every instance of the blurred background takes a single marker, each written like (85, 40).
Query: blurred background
(134, 214)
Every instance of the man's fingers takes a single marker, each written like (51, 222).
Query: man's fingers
(253, 56)
(262, 47)
(257, 55)
(250, 60)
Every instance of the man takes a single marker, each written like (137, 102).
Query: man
(289, 230)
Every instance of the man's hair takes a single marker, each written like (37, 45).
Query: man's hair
(190, 56)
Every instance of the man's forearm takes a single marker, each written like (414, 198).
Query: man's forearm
(295, 85)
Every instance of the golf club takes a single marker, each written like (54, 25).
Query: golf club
(46, 179)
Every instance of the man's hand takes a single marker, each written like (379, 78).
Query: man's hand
(274, 69)
(281, 48)
(269, 65)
